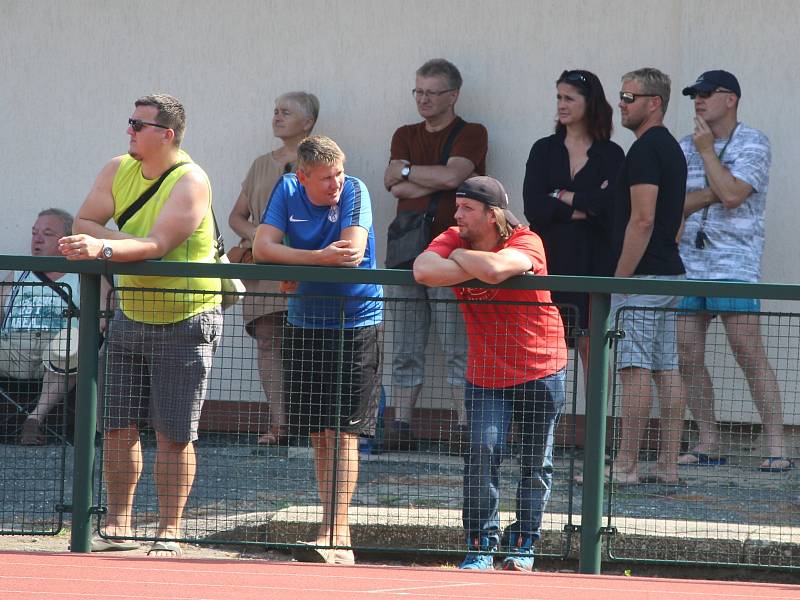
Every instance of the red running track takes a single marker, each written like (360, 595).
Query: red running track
(26, 576)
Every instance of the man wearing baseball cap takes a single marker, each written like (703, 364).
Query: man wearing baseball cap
(726, 191)
(516, 361)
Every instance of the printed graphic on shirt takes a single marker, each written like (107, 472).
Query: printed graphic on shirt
(734, 236)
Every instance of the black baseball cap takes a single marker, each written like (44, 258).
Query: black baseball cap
(711, 80)
(489, 191)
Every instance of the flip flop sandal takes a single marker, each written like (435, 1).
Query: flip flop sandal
(703, 460)
(771, 460)
(99, 544)
(308, 552)
(657, 480)
(172, 547)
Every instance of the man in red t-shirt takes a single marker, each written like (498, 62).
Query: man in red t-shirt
(422, 182)
(516, 362)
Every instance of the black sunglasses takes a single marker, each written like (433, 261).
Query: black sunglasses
(630, 97)
(137, 125)
(573, 77)
(706, 95)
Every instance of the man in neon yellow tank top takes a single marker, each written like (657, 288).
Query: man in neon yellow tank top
(160, 344)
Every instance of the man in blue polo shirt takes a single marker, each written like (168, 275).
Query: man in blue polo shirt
(322, 217)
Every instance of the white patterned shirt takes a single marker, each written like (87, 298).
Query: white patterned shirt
(735, 236)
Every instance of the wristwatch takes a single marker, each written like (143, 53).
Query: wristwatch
(106, 252)
(405, 172)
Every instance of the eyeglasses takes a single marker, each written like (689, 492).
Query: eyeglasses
(706, 95)
(573, 77)
(630, 97)
(137, 125)
(418, 93)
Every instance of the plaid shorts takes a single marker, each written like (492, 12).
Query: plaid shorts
(649, 324)
(159, 373)
(21, 353)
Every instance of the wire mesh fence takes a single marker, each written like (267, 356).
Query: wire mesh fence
(36, 409)
(718, 487)
(266, 472)
(709, 486)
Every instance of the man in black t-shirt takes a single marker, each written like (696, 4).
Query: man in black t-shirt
(648, 213)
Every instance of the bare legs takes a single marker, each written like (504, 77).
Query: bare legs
(174, 474)
(335, 527)
(743, 332)
(268, 331)
(122, 467)
(637, 402)
(52, 391)
(692, 330)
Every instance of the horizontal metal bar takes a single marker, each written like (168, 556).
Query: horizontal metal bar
(608, 285)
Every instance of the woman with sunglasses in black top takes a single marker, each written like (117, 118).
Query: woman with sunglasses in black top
(568, 191)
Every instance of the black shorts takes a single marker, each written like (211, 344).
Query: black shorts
(332, 378)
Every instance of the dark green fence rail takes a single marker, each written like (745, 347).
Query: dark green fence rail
(594, 528)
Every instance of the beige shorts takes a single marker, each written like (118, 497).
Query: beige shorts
(21, 353)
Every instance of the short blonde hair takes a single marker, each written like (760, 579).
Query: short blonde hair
(318, 150)
(652, 81)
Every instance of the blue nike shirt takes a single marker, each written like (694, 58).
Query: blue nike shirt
(310, 227)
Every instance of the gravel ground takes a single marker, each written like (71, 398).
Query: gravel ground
(237, 484)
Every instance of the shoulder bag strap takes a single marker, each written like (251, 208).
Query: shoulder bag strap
(146, 195)
(57, 289)
(220, 242)
(448, 146)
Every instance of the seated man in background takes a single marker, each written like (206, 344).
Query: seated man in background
(32, 315)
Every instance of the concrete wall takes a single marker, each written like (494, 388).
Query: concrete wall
(71, 70)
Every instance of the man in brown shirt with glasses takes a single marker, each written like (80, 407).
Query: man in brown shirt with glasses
(423, 178)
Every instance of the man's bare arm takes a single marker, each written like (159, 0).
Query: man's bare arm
(492, 267)
(726, 188)
(432, 270)
(268, 247)
(433, 177)
(98, 208)
(698, 200)
(406, 189)
(187, 205)
(639, 229)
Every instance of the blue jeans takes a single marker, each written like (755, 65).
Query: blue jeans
(536, 406)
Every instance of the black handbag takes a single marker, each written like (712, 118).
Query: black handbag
(410, 231)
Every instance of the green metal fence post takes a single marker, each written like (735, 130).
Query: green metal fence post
(85, 415)
(595, 440)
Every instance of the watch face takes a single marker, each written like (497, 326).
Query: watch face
(405, 171)
(107, 251)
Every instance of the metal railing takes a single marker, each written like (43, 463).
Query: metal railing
(441, 495)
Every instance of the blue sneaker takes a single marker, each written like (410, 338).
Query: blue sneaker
(521, 557)
(480, 554)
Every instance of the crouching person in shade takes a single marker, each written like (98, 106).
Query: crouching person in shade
(516, 362)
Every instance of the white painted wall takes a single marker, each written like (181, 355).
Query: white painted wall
(69, 73)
